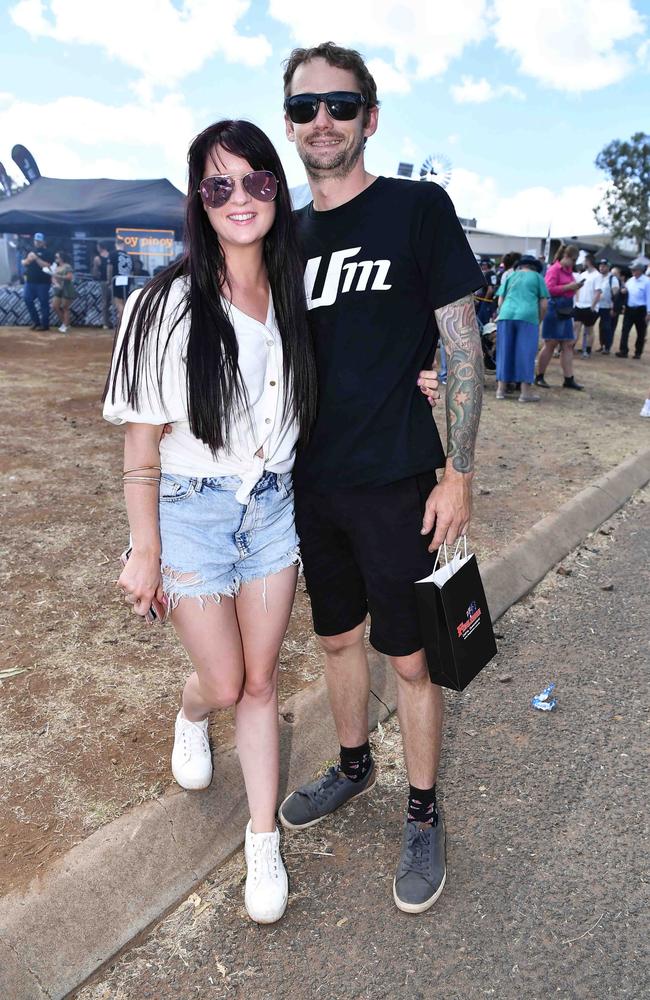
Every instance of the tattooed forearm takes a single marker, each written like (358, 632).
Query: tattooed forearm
(462, 343)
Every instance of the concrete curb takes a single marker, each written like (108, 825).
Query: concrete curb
(113, 886)
(524, 562)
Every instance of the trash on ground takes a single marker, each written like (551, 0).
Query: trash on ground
(542, 701)
(608, 586)
(504, 678)
(563, 571)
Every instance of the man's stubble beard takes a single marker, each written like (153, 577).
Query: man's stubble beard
(340, 166)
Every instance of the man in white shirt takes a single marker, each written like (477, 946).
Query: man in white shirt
(586, 306)
(609, 290)
(637, 310)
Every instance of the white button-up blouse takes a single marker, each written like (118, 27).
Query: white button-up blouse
(260, 428)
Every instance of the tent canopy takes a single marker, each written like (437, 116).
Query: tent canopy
(60, 207)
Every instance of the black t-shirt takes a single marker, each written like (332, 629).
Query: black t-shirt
(376, 268)
(34, 272)
(122, 266)
(103, 265)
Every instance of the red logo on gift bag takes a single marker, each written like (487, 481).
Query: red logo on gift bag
(472, 621)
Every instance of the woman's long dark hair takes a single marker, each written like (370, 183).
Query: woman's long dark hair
(215, 389)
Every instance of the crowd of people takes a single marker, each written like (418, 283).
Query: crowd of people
(571, 302)
(46, 271)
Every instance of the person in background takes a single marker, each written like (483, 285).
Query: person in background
(99, 270)
(637, 310)
(621, 274)
(139, 270)
(64, 290)
(609, 289)
(522, 307)
(484, 296)
(508, 263)
(586, 305)
(119, 272)
(37, 282)
(557, 328)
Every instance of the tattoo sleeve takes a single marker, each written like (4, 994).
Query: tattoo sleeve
(462, 344)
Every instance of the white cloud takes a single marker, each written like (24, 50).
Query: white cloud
(163, 40)
(409, 149)
(70, 137)
(422, 37)
(526, 212)
(570, 47)
(471, 91)
(388, 79)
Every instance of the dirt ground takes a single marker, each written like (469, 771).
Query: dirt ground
(87, 694)
(545, 812)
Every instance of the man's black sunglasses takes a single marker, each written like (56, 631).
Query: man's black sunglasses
(342, 105)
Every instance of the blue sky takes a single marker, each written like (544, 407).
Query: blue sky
(520, 96)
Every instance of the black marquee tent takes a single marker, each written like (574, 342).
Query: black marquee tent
(61, 207)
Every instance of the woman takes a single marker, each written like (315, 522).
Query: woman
(218, 347)
(557, 328)
(63, 289)
(522, 306)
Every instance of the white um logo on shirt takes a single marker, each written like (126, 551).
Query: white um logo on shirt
(361, 270)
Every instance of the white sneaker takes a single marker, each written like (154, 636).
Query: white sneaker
(191, 757)
(63, 328)
(645, 409)
(267, 887)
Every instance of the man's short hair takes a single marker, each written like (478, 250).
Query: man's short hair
(337, 56)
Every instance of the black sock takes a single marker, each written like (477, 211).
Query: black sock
(356, 761)
(422, 805)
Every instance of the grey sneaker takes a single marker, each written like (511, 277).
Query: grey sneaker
(311, 803)
(421, 873)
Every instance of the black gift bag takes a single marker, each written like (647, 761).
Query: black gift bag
(455, 620)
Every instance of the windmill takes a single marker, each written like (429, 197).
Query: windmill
(436, 168)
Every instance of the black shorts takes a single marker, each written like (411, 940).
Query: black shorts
(587, 317)
(362, 552)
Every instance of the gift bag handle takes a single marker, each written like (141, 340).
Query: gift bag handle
(461, 539)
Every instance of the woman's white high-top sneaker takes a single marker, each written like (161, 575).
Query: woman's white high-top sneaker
(267, 887)
(191, 757)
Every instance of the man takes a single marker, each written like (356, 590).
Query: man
(37, 282)
(119, 271)
(587, 301)
(383, 256)
(100, 266)
(637, 310)
(609, 290)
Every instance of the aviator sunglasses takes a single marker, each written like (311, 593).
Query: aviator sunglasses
(259, 184)
(341, 105)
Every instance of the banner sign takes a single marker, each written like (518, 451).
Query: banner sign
(148, 242)
(80, 254)
(26, 162)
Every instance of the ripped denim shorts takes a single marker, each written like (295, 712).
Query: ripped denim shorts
(211, 543)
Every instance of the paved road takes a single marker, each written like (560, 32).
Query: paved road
(547, 843)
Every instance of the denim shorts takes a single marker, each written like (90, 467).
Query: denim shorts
(211, 543)
(557, 327)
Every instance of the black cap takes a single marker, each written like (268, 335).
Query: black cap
(527, 260)
(603, 260)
